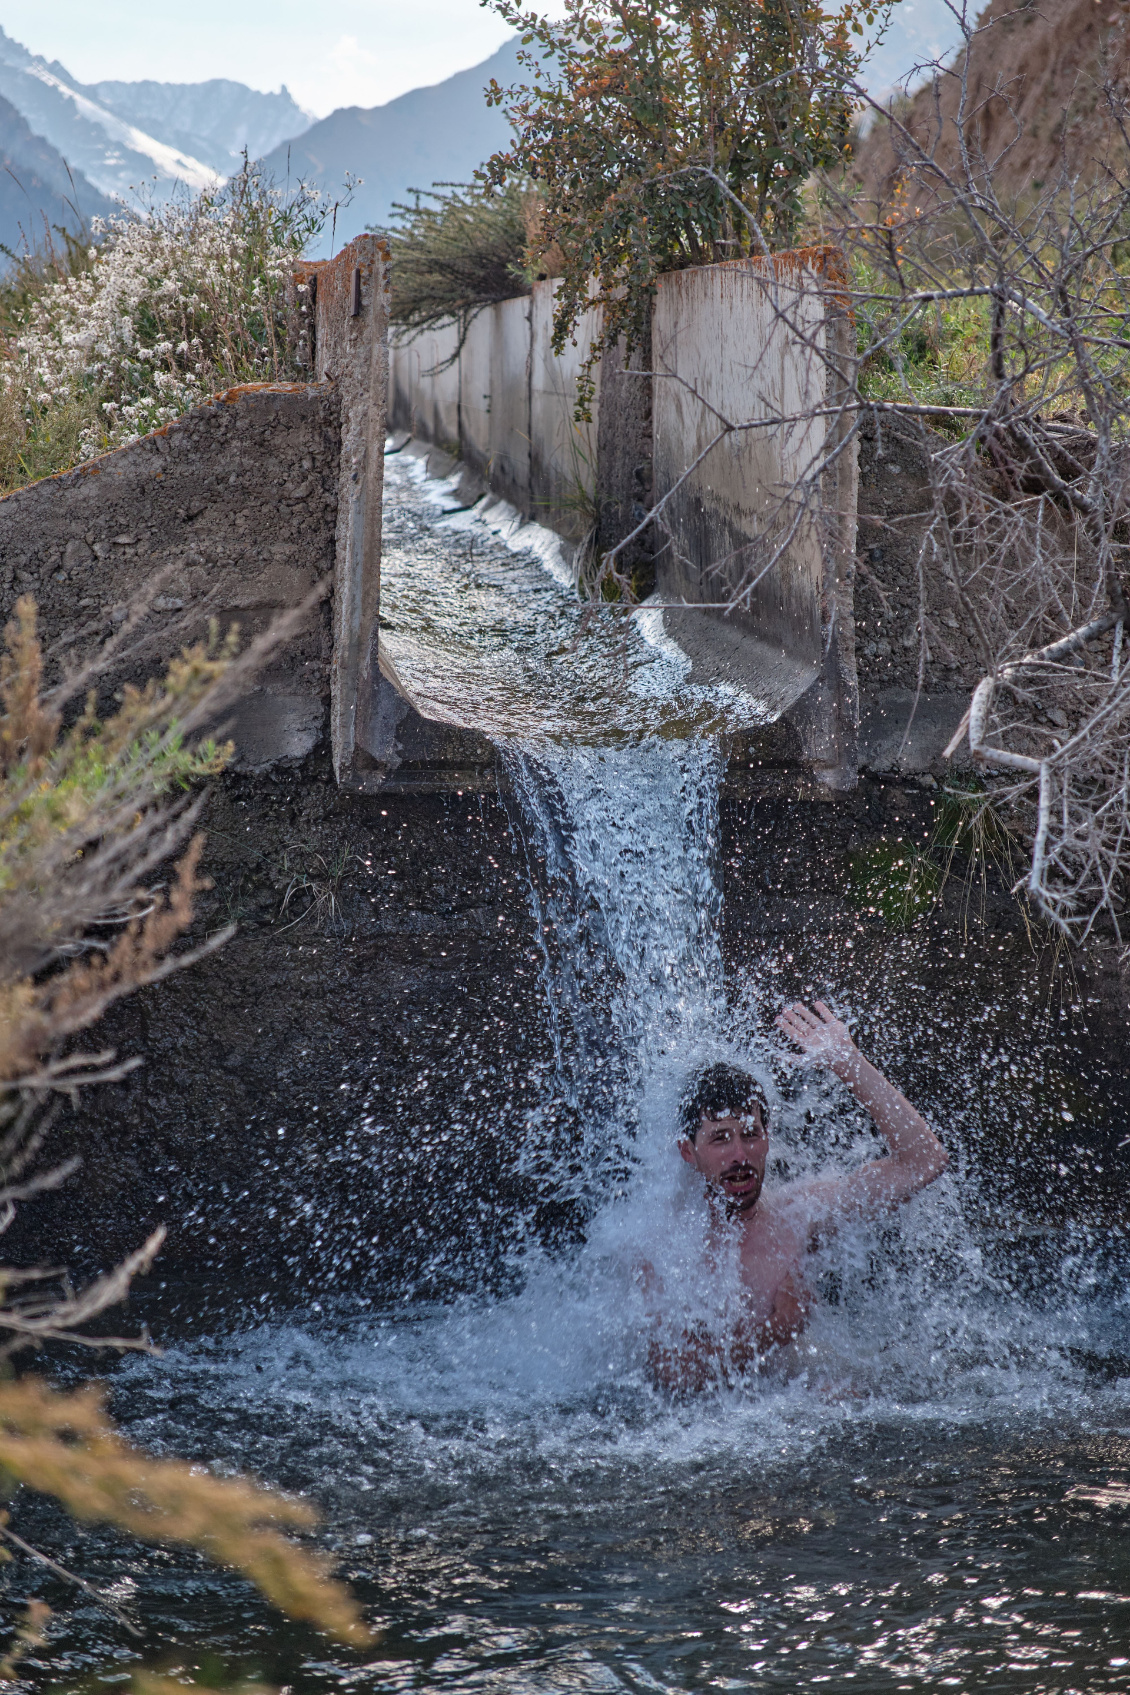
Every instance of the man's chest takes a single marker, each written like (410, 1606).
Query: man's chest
(772, 1249)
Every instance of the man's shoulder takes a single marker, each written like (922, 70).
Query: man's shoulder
(798, 1192)
(805, 1200)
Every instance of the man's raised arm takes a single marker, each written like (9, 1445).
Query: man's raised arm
(917, 1156)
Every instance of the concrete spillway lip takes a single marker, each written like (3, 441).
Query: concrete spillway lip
(717, 652)
(723, 653)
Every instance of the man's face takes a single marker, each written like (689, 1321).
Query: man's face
(731, 1153)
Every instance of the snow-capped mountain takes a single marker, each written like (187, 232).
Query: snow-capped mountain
(213, 121)
(118, 157)
(136, 142)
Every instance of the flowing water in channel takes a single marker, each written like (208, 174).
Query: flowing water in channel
(937, 1497)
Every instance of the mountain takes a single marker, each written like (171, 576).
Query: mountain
(213, 121)
(116, 156)
(1035, 77)
(138, 141)
(441, 133)
(913, 34)
(436, 134)
(36, 188)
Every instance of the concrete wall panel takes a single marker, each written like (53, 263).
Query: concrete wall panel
(510, 401)
(351, 303)
(723, 352)
(758, 342)
(563, 468)
(424, 386)
(475, 380)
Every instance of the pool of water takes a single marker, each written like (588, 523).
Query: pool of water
(520, 1511)
(932, 1492)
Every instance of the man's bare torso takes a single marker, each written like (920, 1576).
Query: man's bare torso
(776, 1233)
(774, 1244)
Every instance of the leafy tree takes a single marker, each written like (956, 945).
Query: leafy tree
(672, 134)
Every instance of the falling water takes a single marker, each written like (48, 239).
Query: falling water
(933, 1497)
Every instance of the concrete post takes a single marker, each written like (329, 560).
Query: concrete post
(351, 304)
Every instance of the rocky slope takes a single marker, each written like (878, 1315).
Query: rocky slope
(37, 190)
(1045, 81)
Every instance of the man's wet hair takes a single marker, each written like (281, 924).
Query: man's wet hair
(720, 1091)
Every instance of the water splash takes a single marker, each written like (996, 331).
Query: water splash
(619, 829)
(503, 1480)
(625, 974)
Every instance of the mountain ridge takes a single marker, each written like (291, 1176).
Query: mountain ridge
(1035, 74)
(38, 188)
(439, 133)
(117, 157)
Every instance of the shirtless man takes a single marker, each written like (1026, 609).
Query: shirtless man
(725, 1137)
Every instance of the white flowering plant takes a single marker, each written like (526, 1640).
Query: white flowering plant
(157, 313)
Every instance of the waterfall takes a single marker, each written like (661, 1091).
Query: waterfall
(620, 845)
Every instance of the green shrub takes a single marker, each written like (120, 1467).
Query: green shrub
(457, 252)
(107, 342)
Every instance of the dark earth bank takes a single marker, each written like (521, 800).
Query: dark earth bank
(338, 1100)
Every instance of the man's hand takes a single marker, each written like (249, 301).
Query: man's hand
(917, 1157)
(820, 1034)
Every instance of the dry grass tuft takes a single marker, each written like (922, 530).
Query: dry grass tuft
(65, 1446)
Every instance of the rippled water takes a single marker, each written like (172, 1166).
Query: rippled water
(935, 1495)
(479, 621)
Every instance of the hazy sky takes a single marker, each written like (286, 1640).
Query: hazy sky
(338, 53)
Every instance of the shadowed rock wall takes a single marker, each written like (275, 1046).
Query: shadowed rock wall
(229, 512)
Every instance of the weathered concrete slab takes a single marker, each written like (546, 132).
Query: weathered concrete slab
(513, 401)
(761, 344)
(624, 452)
(563, 451)
(475, 378)
(904, 732)
(352, 299)
(422, 756)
